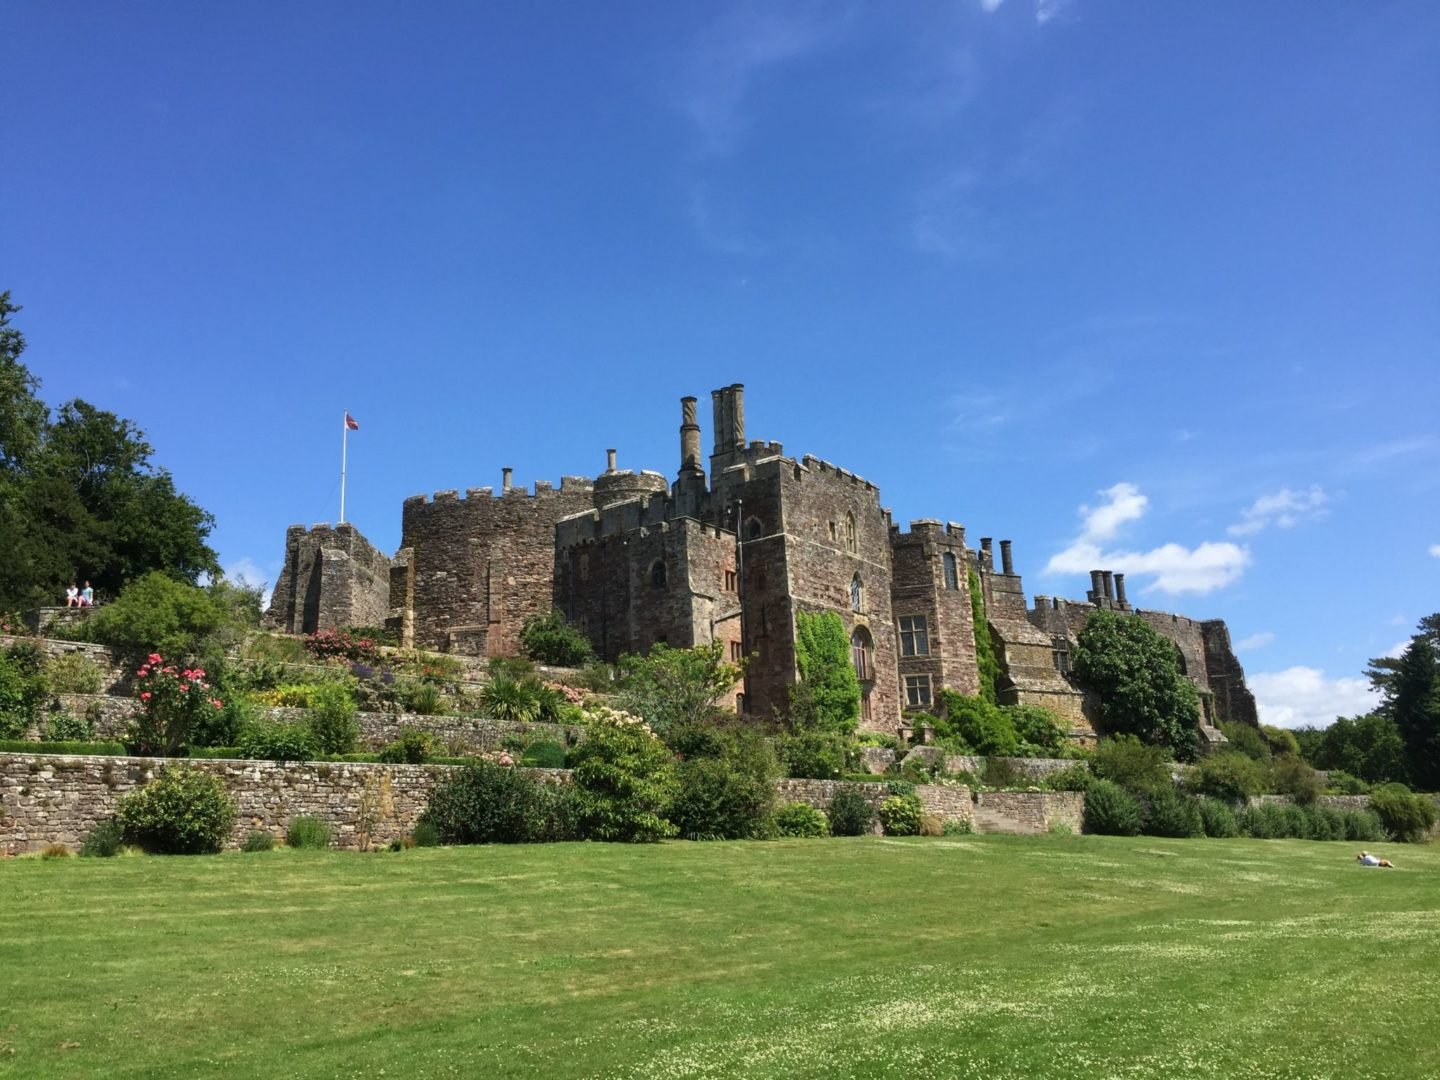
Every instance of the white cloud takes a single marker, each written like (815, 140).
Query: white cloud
(1435, 551)
(1284, 509)
(739, 48)
(246, 571)
(1174, 567)
(1255, 641)
(1303, 696)
(1046, 10)
(1397, 650)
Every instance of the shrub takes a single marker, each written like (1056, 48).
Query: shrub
(1000, 773)
(485, 803)
(425, 835)
(1326, 823)
(173, 699)
(1073, 778)
(343, 644)
(332, 719)
(1134, 765)
(1039, 730)
(667, 687)
(258, 840)
(412, 747)
(101, 747)
(1168, 812)
(104, 840)
(1342, 783)
(978, 724)
(307, 832)
(511, 700)
(900, 815)
(1289, 775)
(544, 754)
(1362, 825)
(850, 813)
(1264, 821)
(728, 794)
(801, 819)
(817, 755)
(549, 639)
(158, 613)
(183, 811)
(1218, 819)
(1247, 740)
(425, 699)
(625, 779)
(278, 742)
(22, 689)
(65, 726)
(222, 727)
(1227, 775)
(55, 851)
(953, 827)
(1406, 817)
(932, 825)
(1111, 810)
(74, 673)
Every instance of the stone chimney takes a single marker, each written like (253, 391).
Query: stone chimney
(505, 475)
(610, 460)
(1007, 560)
(689, 437)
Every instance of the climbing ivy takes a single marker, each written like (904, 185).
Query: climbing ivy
(985, 661)
(829, 690)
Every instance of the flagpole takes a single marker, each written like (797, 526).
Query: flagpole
(344, 439)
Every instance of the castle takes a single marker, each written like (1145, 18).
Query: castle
(728, 555)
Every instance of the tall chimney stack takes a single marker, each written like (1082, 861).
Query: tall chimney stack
(610, 460)
(689, 436)
(1109, 587)
(1120, 591)
(1007, 560)
(505, 475)
(1097, 581)
(987, 554)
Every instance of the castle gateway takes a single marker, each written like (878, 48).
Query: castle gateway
(728, 554)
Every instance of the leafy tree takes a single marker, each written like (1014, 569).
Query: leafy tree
(983, 727)
(828, 695)
(79, 495)
(985, 661)
(1369, 747)
(1383, 671)
(727, 788)
(625, 780)
(1137, 674)
(157, 613)
(1134, 765)
(1414, 703)
(669, 686)
(549, 639)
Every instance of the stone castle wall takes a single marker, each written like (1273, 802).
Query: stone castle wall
(930, 580)
(331, 577)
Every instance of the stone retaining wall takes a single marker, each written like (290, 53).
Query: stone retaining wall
(112, 671)
(1029, 811)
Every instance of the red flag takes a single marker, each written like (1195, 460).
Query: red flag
(351, 422)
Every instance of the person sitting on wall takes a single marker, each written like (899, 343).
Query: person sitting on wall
(72, 596)
(87, 596)
(1366, 859)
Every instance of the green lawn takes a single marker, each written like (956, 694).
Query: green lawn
(991, 957)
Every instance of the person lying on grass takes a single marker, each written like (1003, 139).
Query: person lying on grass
(1366, 859)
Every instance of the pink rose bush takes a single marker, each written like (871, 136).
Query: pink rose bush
(172, 699)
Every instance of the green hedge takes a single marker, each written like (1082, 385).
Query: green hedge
(105, 748)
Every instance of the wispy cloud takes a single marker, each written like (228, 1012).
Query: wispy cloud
(1435, 551)
(720, 229)
(1255, 641)
(1303, 697)
(1045, 10)
(1284, 509)
(736, 51)
(1174, 567)
(246, 571)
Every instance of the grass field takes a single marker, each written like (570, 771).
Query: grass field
(993, 957)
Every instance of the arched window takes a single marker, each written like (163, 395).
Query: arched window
(658, 574)
(860, 650)
(850, 545)
(952, 572)
(857, 593)
(753, 529)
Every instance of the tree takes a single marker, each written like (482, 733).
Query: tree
(828, 696)
(1369, 747)
(549, 639)
(79, 496)
(158, 613)
(985, 662)
(1383, 670)
(669, 686)
(1136, 672)
(1415, 706)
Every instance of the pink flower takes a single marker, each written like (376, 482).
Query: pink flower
(184, 686)
(199, 673)
(155, 658)
(217, 703)
(145, 696)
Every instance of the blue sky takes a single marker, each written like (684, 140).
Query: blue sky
(1147, 286)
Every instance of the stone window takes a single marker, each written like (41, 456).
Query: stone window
(730, 581)
(740, 704)
(753, 529)
(850, 544)
(659, 577)
(857, 594)
(860, 649)
(865, 705)
(917, 690)
(737, 653)
(834, 533)
(914, 635)
(952, 572)
(1060, 653)
(584, 566)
